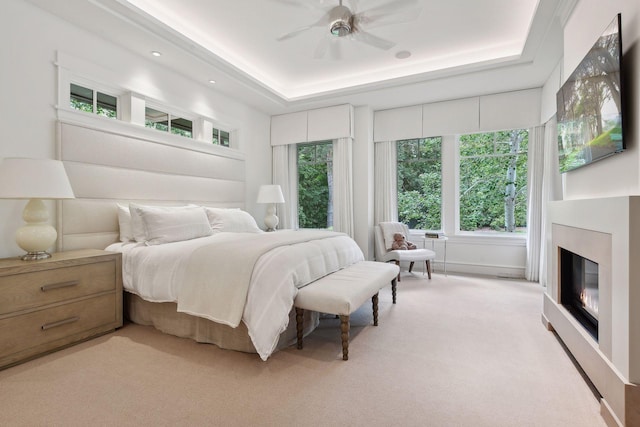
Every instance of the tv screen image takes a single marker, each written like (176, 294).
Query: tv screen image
(590, 104)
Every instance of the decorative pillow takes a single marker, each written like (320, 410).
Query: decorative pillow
(232, 220)
(124, 221)
(389, 229)
(138, 226)
(172, 224)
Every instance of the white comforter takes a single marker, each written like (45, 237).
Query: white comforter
(154, 273)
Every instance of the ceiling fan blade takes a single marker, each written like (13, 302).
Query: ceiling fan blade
(321, 48)
(319, 23)
(294, 33)
(328, 44)
(375, 41)
(335, 50)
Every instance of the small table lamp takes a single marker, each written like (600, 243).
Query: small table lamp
(270, 194)
(34, 179)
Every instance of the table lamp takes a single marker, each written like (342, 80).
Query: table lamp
(270, 194)
(34, 179)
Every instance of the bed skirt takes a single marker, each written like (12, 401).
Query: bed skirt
(165, 317)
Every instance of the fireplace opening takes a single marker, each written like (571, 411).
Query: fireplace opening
(579, 289)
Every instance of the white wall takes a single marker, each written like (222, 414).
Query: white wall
(28, 77)
(618, 175)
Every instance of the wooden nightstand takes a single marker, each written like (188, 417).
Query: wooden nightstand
(49, 304)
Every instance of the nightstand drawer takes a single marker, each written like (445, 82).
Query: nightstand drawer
(41, 327)
(34, 289)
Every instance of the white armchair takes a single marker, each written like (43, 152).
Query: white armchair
(398, 256)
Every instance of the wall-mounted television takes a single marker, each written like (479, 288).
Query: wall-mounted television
(590, 104)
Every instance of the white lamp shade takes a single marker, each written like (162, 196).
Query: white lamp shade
(270, 194)
(34, 179)
(22, 178)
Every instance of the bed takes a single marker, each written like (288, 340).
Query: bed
(233, 285)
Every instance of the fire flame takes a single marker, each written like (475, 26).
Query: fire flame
(589, 302)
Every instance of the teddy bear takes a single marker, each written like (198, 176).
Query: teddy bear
(399, 242)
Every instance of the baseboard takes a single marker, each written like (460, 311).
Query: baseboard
(506, 272)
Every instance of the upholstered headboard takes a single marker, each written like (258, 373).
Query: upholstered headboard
(107, 167)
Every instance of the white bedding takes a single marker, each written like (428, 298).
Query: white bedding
(152, 272)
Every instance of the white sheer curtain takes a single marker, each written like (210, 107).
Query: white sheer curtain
(385, 182)
(343, 186)
(535, 168)
(544, 186)
(551, 190)
(285, 173)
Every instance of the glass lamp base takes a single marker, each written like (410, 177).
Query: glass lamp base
(33, 256)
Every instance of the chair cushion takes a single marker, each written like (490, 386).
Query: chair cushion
(415, 255)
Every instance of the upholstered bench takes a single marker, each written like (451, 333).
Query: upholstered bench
(343, 292)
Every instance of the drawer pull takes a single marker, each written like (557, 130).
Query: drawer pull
(45, 288)
(59, 323)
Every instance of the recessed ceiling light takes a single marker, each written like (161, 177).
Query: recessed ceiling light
(156, 53)
(212, 81)
(403, 54)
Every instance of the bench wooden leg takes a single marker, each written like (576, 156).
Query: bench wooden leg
(344, 327)
(411, 266)
(398, 264)
(374, 303)
(429, 269)
(299, 325)
(393, 289)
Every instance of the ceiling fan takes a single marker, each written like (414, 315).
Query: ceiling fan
(345, 23)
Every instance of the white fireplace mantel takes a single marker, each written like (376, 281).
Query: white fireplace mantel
(606, 231)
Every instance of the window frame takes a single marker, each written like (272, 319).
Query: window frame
(216, 136)
(172, 114)
(96, 89)
(425, 160)
(458, 217)
(330, 189)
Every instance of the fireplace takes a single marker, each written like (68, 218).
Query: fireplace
(579, 289)
(592, 296)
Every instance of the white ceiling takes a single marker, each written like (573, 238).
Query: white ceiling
(458, 47)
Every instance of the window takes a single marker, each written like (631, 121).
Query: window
(220, 137)
(420, 183)
(182, 127)
(155, 119)
(165, 122)
(493, 181)
(91, 101)
(315, 172)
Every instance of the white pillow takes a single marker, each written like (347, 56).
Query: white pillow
(231, 220)
(137, 225)
(171, 224)
(124, 221)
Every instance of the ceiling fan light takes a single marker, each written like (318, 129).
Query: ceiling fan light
(340, 28)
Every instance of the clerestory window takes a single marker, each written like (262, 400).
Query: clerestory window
(92, 101)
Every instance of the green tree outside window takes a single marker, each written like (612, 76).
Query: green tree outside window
(420, 183)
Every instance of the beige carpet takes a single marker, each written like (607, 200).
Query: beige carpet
(454, 351)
